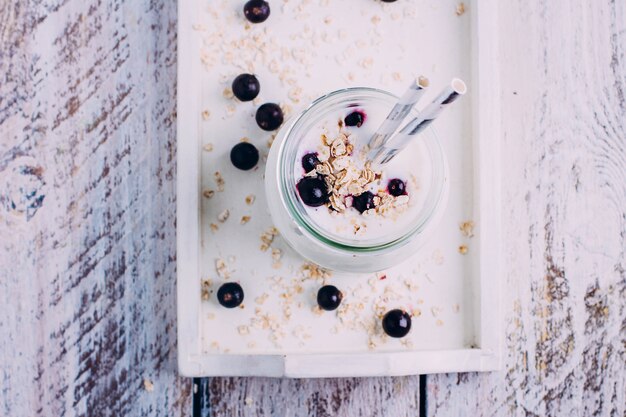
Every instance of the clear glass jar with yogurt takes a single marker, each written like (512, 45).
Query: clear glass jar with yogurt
(343, 230)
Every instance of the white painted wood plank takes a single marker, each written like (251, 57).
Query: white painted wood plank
(564, 143)
(87, 209)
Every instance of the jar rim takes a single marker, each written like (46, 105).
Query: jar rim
(293, 203)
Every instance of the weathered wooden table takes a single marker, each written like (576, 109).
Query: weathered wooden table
(87, 223)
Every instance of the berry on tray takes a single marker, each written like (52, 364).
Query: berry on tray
(313, 191)
(363, 202)
(269, 116)
(310, 161)
(244, 156)
(246, 87)
(256, 11)
(356, 118)
(396, 187)
(230, 295)
(329, 297)
(397, 323)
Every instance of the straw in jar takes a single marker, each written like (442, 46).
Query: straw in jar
(400, 110)
(395, 143)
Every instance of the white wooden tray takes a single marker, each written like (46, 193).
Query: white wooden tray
(305, 49)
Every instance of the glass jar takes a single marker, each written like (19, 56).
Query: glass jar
(320, 245)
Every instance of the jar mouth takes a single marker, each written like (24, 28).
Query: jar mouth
(287, 157)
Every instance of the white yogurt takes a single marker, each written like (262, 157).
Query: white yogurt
(412, 166)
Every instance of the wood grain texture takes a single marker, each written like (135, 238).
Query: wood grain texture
(87, 209)
(564, 208)
(367, 397)
(87, 197)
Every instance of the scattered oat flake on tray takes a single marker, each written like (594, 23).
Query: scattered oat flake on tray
(314, 271)
(228, 93)
(371, 344)
(208, 193)
(367, 63)
(467, 228)
(205, 289)
(437, 256)
(206, 114)
(214, 227)
(295, 94)
(267, 238)
(250, 199)
(286, 108)
(221, 268)
(219, 180)
(277, 254)
(407, 343)
(208, 147)
(411, 286)
(244, 219)
(463, 249)
(223, 216)
(261, 298)
(460, 9)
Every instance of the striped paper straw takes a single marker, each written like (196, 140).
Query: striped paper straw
(399, 112)
(397, 142)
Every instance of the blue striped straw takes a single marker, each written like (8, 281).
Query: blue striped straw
(396, 143)
(402, 108)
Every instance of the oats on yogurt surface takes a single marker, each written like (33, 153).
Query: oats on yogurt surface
(343, 192)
